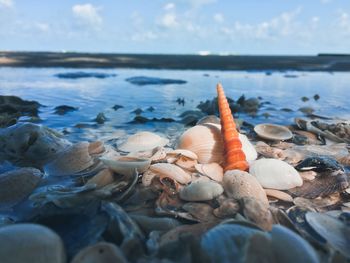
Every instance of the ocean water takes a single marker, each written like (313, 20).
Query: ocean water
(94, 95)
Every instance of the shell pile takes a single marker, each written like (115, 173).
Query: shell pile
(218, 196)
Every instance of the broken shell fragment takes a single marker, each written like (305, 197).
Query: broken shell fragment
(74, 159)
(143, 141)
(275, 174)
(212, 170)
(279, 195)
(126, 165)
(183, 158)
(273, 132)
(239, 184)
(172, 171)
(201, 190)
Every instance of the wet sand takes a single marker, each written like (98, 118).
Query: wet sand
(326, 62)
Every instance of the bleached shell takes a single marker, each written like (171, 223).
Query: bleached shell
(30, 243)
(17, 185)
(205, 141)
(182, 152)
(183, 158)
(239, 184)
(102, 178)
(201, 190)
(147, 177)
(273, 132)
(172, 171)
(142, 141)
(102, 252)
(248, 148)
(96, 147)
(275, 174)
(213, 170)
(126, 165)
(73, 160)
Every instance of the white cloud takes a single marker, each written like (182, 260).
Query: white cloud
(199, 3)
(169, 6)
(6, 3)
(325, 1)
(144, 36)
(88, 15)
(343, 22)
(44, 27)
(169, 20)
(218, 17)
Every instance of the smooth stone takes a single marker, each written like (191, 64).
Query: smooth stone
(142, 80)
(21, 243)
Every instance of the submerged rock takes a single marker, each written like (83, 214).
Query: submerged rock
(81, 74)
(142, 80)
(63, 109)
(30, 242)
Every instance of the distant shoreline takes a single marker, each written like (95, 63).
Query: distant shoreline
(322, 62)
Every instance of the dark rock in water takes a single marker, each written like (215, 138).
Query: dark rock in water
(63, 109)
(85, 125)
(181, 101)
(81, 74)
(142, 80)
(191, 117)
(316, 97)
(138, 111)
(306, 110)
(305, 99)
(286, 110)
(100, 118)
(13, 107)
(142, 119)
(290, 76)
(150, 109)
(117, 107)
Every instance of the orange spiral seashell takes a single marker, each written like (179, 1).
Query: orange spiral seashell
(234, 155)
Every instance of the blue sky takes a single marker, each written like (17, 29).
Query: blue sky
(178, 26)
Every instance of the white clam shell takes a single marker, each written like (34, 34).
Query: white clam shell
(273, 132)
(213, 170)
(102, 252)
(142, 141)
(239, 184)
(30, 242)
(248, 148)
(275, 174)
(126, 165)
(205, 141)
(201, 190)
(172, 171)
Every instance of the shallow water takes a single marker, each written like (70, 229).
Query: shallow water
(94, 95)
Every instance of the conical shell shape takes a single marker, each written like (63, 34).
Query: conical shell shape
(234, 155)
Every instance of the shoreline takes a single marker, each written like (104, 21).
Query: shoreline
(322, 62)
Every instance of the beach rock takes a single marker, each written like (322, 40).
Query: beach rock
(142, 119)
(275, 174)
(63, 109)
(117, 107)
(30, 144)
(101, 252)
(100, 118)
(16, 185)
(142, 80)
(81, 74)
(30, 242)
(201, 190)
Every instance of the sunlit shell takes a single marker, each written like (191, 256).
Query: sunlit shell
(147, 177)
(71, 161)
(102, 252)
(142, 141)
(126, 165)
(273, 132)
(96, 147)
(17, 185)
(267, 151)
(334, 231)
(308, 175)
(213, 170)
(275, 174)
(201, 190)
(279, 195)
(30, 242)
(205, 141)
(248, 148)
(239, 184)
(172, 171)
